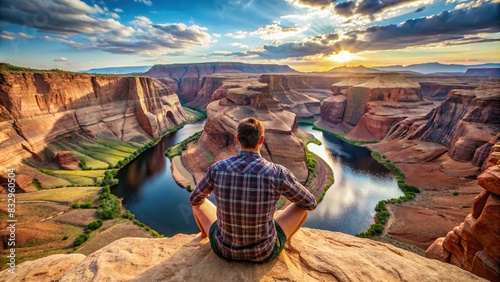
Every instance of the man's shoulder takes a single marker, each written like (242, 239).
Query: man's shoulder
(223, 163)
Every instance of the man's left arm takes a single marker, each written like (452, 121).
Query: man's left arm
(294, 191)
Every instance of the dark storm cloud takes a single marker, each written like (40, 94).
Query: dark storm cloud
(438, 28)
(371, 7)
(345, 8)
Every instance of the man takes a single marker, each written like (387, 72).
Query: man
(246, 189)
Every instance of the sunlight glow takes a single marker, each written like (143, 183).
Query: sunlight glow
(342, 56)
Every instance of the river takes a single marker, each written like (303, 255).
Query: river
(150, 192)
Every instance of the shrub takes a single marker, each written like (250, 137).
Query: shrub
(94, 225)
(109, 206)
(127, 214)
(81, 239)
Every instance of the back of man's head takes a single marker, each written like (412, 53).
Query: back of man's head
(249, 132)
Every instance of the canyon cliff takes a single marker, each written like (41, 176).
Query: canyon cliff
(367, 106)
(193, 82)
(474, 245)
(338, 257)
(247, 98)
(442, 153)
(39, 108)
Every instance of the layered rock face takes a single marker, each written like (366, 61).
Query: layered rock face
(369, 105)
(247, 98)
(339, 257)
(36, 108)
(384, 87)
(299, 103)
(465, 123)
(474, 245)
(438, 91)
(190, 80)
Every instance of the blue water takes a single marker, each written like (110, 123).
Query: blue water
(150, 192)
(360, 183)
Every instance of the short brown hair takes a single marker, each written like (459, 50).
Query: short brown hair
(249, 132)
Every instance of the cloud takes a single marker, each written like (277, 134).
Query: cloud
(60, 17)
(452, 28)
(274, 32)
(6, 35)
(239, 45)
(118, 10)
(61, 59)
(81, 26)
(179, 32)
(24, 35)
(145, 2)
(420, 9)
(438, 28)
(345, 8)
(370, 7)
(238, 35)
(313, 3)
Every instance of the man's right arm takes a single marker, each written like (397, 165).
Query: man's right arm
(203, 189)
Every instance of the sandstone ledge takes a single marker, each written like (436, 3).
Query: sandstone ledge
(311, 255)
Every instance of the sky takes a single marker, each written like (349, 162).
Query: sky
(308, 35)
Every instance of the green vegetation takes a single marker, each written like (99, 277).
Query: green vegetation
(309, 121)
(177, 149)
(455, 193)
(94, 225)
(342, 137)
(325, 188)
(382, 214)
(196, 113)
(109, 206)
(81, 239)
(86, 205)
(311, 160)
(151, 231)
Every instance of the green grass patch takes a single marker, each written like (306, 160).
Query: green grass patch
(196, 114)
(62, 195)
(118, 145)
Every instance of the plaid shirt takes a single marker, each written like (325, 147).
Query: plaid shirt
(247, 188)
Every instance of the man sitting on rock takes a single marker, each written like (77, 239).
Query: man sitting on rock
(247, 188)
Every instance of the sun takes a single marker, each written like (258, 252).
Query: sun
(342, 56)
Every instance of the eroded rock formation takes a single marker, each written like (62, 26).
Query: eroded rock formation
(465, 121)
(442, 153)
(369, 105)
(474, 245)
(37, 108)
(247, 98)
(66, 160)
(338, 257)
(195, 82)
